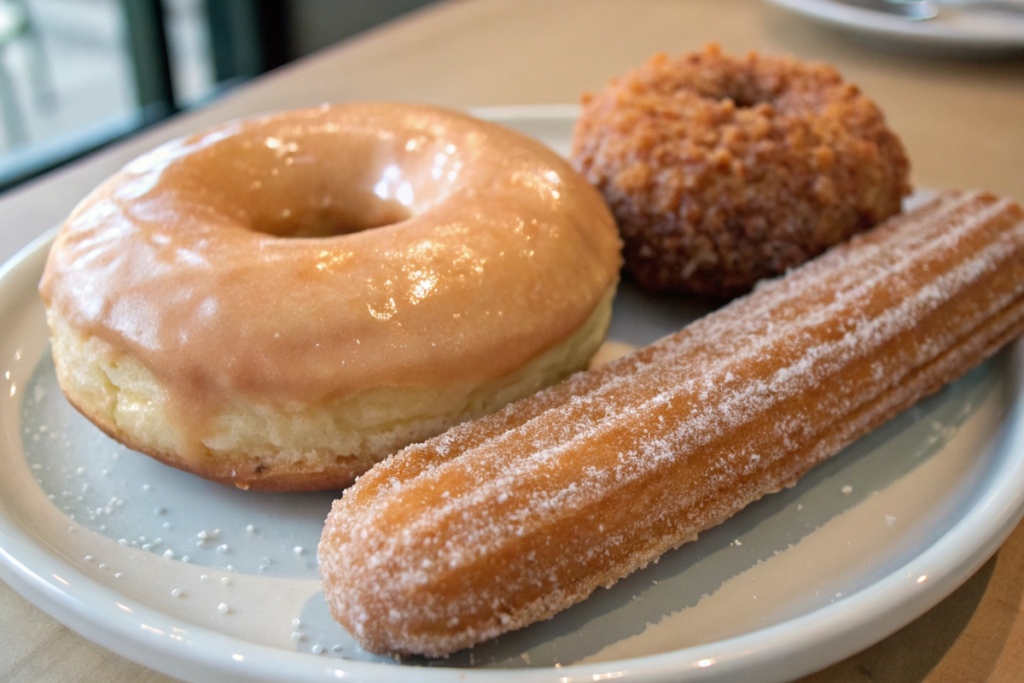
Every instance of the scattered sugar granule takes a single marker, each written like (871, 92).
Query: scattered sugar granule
(847, 490)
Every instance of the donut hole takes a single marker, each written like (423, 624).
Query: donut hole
(312, 181)
(331, 218)
(338, 196)
(744, 100)
(744, 95)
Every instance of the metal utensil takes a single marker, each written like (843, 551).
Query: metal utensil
(914, 10)
(1013, 6)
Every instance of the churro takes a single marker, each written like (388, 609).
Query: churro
(507, 520)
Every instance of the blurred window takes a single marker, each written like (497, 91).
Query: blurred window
(78, 74)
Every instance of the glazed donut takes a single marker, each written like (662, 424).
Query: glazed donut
(279, 303)
(722, 170)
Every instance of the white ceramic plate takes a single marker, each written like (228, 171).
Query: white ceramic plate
(956, 32)
(208, 583)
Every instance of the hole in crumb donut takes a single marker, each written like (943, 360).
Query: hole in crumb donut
(743, 101)
(743, 95)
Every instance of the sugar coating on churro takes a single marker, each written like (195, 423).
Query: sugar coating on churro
(507, 520)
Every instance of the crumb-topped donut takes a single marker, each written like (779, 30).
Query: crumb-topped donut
(279, 303)
(722, 170)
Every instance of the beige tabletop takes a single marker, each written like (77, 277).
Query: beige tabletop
(963, 123)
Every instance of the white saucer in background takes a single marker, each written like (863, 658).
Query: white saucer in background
(974, 32)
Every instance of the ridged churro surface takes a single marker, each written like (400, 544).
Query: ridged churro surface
(507, 520)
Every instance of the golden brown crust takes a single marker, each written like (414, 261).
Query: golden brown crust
(722, 170)
(263, 448)
(510, 519)
(241, 472)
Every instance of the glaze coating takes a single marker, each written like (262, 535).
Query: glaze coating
(307, 256)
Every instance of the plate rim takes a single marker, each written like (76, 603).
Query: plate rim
(803, 644)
